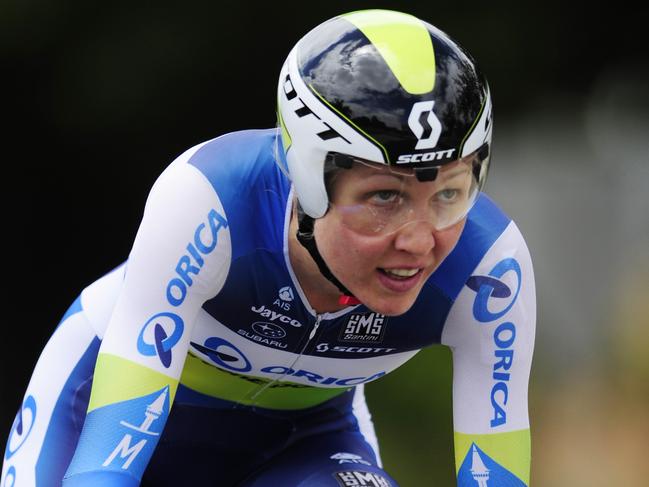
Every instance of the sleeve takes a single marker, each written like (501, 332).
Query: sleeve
(179, 259)
(490, 330)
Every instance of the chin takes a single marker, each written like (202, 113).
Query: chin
(390, 306)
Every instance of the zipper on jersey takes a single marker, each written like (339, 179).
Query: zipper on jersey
(255, 395)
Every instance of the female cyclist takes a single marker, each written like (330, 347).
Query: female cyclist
(275, 272)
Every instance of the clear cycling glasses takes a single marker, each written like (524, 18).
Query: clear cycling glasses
(376, 199)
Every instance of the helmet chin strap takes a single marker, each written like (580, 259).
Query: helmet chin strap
(307, 239)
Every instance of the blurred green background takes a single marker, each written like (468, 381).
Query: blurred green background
(99, 97)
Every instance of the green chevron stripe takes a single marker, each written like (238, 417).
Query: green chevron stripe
(214, 382)
(404, 43)
(286, 137)
(117, 379)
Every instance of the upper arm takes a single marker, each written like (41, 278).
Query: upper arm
(179, 259)
(490, 330)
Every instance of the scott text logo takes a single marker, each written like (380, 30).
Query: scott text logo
(302, 110)
(325, 347)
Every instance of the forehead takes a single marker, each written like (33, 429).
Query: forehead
(369, 171)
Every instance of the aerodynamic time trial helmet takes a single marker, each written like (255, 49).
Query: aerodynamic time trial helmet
(382, 87)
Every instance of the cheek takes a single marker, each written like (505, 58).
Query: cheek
(446, 240)
(344, 250)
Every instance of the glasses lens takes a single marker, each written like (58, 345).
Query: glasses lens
(375, 199)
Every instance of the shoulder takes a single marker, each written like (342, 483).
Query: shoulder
(243, 155)
(239, 167)
(239, 171)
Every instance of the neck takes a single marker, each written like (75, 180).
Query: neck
(320, 292)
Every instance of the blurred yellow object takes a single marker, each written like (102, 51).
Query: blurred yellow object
(591, 428)
(629, 329)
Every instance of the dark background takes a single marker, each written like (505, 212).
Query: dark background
(99, 97)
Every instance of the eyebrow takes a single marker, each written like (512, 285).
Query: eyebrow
(455, 173)
(406, 177)
(400, 177)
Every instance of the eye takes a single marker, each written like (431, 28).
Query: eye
(384, 197)
(447, 195)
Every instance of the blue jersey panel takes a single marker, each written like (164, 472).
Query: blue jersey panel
(242, 169)
(69, 410)
(250, 301)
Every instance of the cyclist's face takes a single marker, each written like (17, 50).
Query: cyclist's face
(386, 270)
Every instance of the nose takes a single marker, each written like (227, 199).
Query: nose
(415, 237)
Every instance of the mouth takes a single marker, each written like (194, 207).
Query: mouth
(399, 280)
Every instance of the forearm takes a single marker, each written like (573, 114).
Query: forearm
(123, 424)
(491, 333)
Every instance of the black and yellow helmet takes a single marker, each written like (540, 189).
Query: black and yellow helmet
(380, 86)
